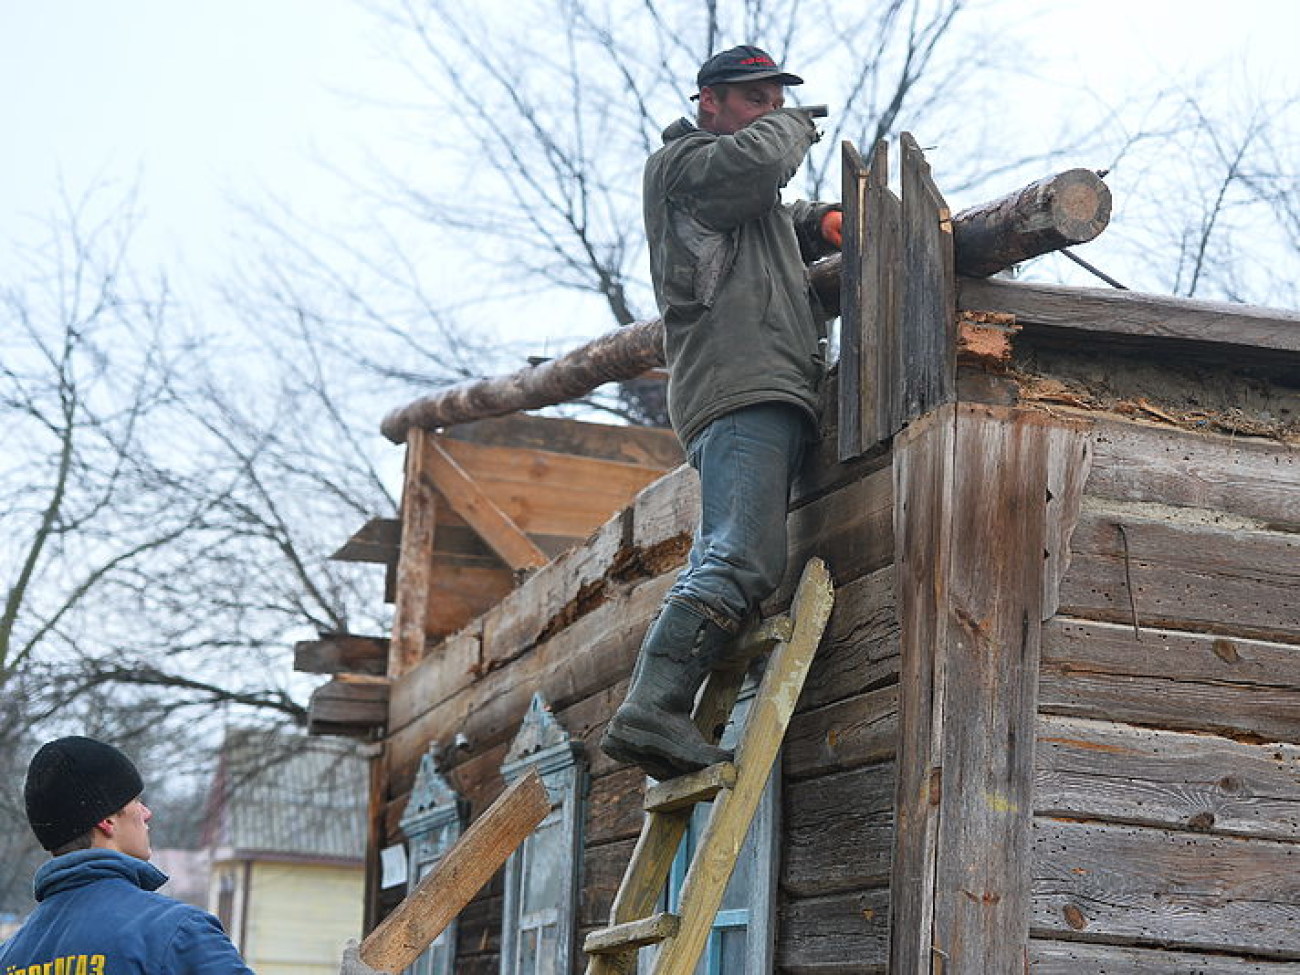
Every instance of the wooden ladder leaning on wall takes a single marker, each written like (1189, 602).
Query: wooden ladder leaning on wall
(735, 789)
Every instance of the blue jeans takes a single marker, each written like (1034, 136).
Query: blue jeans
(746, 460)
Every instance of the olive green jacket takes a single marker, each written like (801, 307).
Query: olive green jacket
(741, 324)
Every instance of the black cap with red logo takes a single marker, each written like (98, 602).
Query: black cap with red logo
(744, 63)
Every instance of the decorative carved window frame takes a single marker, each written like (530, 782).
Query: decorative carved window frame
(544, 745)
(432, 823)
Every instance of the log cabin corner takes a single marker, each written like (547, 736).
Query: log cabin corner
(1054, 724)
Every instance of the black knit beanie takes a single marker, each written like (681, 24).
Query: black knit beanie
(72, 784)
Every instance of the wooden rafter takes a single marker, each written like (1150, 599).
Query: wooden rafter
(468, 500)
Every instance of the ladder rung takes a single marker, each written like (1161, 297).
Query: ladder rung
(756, 641)
(686, 790)
(632, 934)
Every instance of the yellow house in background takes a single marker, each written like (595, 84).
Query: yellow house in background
(287, 836)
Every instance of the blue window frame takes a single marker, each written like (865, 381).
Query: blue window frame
(432, 822)
(541, 881)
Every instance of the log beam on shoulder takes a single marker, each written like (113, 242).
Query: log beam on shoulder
(1055, 212)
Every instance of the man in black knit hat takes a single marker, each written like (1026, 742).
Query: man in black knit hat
(98, 913)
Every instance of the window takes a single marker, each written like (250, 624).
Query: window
(741, 939)
(537, 936)
(432, 822)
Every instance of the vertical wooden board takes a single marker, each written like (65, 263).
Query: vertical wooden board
(853, 297)
(922, 521)
(886, 365)
(971, 537)
(415, 561)
(1069, 463)
(928, 340)
(872, 364)
(991, 644)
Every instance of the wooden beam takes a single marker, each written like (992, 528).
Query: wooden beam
(647, 446)
(1069, 208)
(378, 540)
(342, 653)
(349, 706)
(630, 351)
(443, 893)
(415, 562)
(1096, 311)
(469, 501)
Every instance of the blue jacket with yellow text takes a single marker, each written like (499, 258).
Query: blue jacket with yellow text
(98, 914)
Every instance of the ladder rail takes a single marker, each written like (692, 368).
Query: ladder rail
(795, 636)
(756, 753)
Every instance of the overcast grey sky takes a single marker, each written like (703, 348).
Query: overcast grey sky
(204, 102)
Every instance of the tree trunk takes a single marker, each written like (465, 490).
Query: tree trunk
(1070, 208)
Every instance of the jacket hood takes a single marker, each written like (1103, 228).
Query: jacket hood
(683, 126)
(84, 867)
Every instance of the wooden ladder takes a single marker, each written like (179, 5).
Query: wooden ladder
(735, 789)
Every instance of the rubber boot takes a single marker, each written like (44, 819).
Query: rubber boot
(653, 727)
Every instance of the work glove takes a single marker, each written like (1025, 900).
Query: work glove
(832, 224)
(352, 963)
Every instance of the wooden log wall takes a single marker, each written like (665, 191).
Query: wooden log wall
(1167, 779)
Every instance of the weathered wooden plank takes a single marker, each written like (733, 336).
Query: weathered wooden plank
(1255, 479)
(1076, 647)
(844, 934)
(469, 500)
(860, 730)
(554, 596)
(871, 358)
(378, 540)
(1241, 688)
(348, 706)
(666, 509)
(419, 513)
(1098, 310)
(923, 478)
(458, 594)
(929, 342)
(1079, 958)
(1183, 890)
(550, 493)
(646, 446)
(458, 876)
(1240, 582)
(854, 808)
(1069, 462)
(860, 651)
(614, 806)
(851, 530)
(1143, 776)
(594, 652)
(854, 296)
(1001, 522)
(454, 664)
(342, 653)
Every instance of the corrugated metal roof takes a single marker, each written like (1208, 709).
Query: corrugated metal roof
(291, 795)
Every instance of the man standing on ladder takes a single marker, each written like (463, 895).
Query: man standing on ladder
(745, 342)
